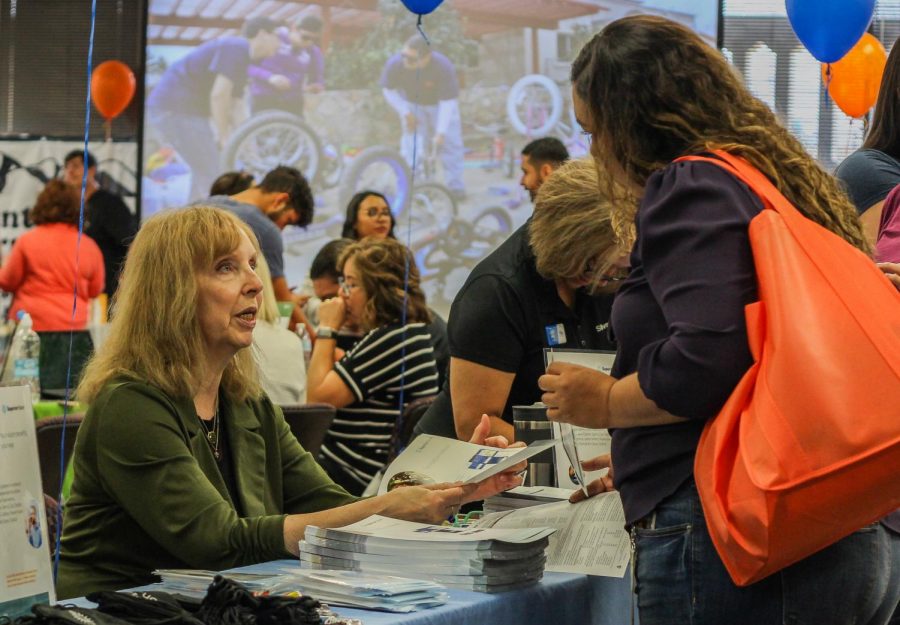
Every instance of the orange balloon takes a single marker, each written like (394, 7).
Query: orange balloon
(112, 87)
(855, 79)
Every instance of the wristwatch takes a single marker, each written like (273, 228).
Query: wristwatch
(324, 332)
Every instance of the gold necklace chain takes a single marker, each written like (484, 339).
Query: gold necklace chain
(212, 434)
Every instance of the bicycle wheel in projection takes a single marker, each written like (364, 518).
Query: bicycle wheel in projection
(269, 139)
(534, 105)
(381, 169)
(490, 228)
(433, 209)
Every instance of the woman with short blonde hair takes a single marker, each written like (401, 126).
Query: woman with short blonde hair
(571, 231)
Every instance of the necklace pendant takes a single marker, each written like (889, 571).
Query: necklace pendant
(217, 454)
(213, 438)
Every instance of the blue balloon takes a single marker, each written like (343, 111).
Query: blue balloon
(829, 28)
(424, 7)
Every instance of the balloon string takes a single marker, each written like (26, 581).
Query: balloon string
(84, 178)
(415, 157)
(422, 31)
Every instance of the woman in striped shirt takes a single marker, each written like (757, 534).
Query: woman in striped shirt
(392, 365)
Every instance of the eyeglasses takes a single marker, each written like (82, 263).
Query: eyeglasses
(346, 287)
(373, 212)
(590, 269)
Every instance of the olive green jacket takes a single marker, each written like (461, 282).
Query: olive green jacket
(148, 493)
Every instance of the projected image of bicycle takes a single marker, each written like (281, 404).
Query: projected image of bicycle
(273, 138)
(535, 108)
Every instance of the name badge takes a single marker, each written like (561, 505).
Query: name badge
(556, 334)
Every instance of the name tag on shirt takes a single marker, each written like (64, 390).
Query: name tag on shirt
(556, 334)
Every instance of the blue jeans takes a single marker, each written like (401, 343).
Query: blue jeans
(451, 152)
(680, 580)
(192, 137)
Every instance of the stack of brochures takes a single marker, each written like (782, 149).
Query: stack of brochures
(470, 558)
(374, 592)
(195, 582)
(352, 589)
(525, 497)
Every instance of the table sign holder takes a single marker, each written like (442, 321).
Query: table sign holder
(26, 576)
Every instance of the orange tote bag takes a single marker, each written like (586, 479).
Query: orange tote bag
(807, 448)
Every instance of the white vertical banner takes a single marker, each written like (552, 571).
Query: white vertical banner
(26, 576)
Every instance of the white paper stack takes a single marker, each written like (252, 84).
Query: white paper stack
(472, 558)
(524, 497)
(338, 588)
(195, 582)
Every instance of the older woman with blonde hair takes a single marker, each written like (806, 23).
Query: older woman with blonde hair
(549, 285)
(181, 460)
(572, 232)
(392, 364)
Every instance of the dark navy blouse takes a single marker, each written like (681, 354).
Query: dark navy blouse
(679, 320)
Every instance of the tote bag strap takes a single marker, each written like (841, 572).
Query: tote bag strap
(753, 178)
(852, 276)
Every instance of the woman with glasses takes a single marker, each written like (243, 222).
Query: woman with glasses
(391, 365)
(368, 215)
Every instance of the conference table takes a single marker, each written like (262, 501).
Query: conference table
(560, 598)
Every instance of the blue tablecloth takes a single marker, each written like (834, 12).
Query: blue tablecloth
(559, 598)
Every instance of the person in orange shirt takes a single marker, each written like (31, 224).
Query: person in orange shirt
(40, 272)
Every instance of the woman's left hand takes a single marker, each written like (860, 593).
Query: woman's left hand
(502, 481)
(577, 395)
(332, 313)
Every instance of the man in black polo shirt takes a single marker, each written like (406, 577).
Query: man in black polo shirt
(108, 221)
(507, 313)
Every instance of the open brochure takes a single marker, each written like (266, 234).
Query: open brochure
(434, 459)
(590, 536)
(580, 443)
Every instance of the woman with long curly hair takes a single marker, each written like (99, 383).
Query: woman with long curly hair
(649, 91)
(394, 358)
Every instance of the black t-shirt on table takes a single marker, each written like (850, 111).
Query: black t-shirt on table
(499, 319)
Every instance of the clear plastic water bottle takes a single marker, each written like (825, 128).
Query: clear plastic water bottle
(26, 355)
(307, 343)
